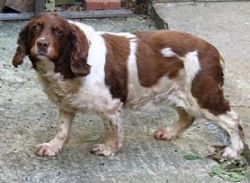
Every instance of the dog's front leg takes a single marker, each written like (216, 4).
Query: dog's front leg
(113, 135)
(55, 146)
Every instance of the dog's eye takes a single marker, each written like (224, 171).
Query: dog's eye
(58, 32)
(36, 28)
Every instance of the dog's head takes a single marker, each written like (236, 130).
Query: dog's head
(51, 37)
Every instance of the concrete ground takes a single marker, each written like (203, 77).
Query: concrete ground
(27, 117)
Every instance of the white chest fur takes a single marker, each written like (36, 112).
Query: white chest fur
(82, 93)
(75, 95)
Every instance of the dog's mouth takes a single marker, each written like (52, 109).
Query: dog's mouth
(38, 54)
(47, 54)
(40, 60)
(42, 53)
(42, 64)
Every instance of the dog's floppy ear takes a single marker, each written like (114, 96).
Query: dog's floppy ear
(79, 52)
(21, 50)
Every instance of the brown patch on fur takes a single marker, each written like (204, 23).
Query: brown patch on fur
(116, 67)
(21, 50)
(208, 83)
(180, 42)
(19, 56)
(79, 53)
(152, 65)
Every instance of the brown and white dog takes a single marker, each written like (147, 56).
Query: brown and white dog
(84, 70)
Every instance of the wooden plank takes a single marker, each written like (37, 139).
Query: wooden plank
(16, 16)
(21, 6)
(65, 2)
(72, 15)
(39, 6)
(1, 5)
(98, 14)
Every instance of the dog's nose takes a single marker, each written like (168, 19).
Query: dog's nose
(42, 45)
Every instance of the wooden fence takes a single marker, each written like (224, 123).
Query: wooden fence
(39, 7)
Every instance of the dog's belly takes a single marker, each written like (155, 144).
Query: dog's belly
(173, 92)
(166, 90)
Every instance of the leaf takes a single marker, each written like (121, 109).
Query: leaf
(192, 157)
(236, 177)
(233, 179)
(217, 170)
(93, 137)
(232, 171)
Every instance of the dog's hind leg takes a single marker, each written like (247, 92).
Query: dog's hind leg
(230, 122)
(184, 121)
(208, 91)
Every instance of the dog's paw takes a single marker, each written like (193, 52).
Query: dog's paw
(102, 150)
(230, 153)
(164, 134)
(47, 149)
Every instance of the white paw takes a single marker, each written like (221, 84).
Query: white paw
(164, 134)
(103, 150)
(230, 153)
(47, 149)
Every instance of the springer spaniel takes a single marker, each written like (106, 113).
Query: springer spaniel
(84, 70)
